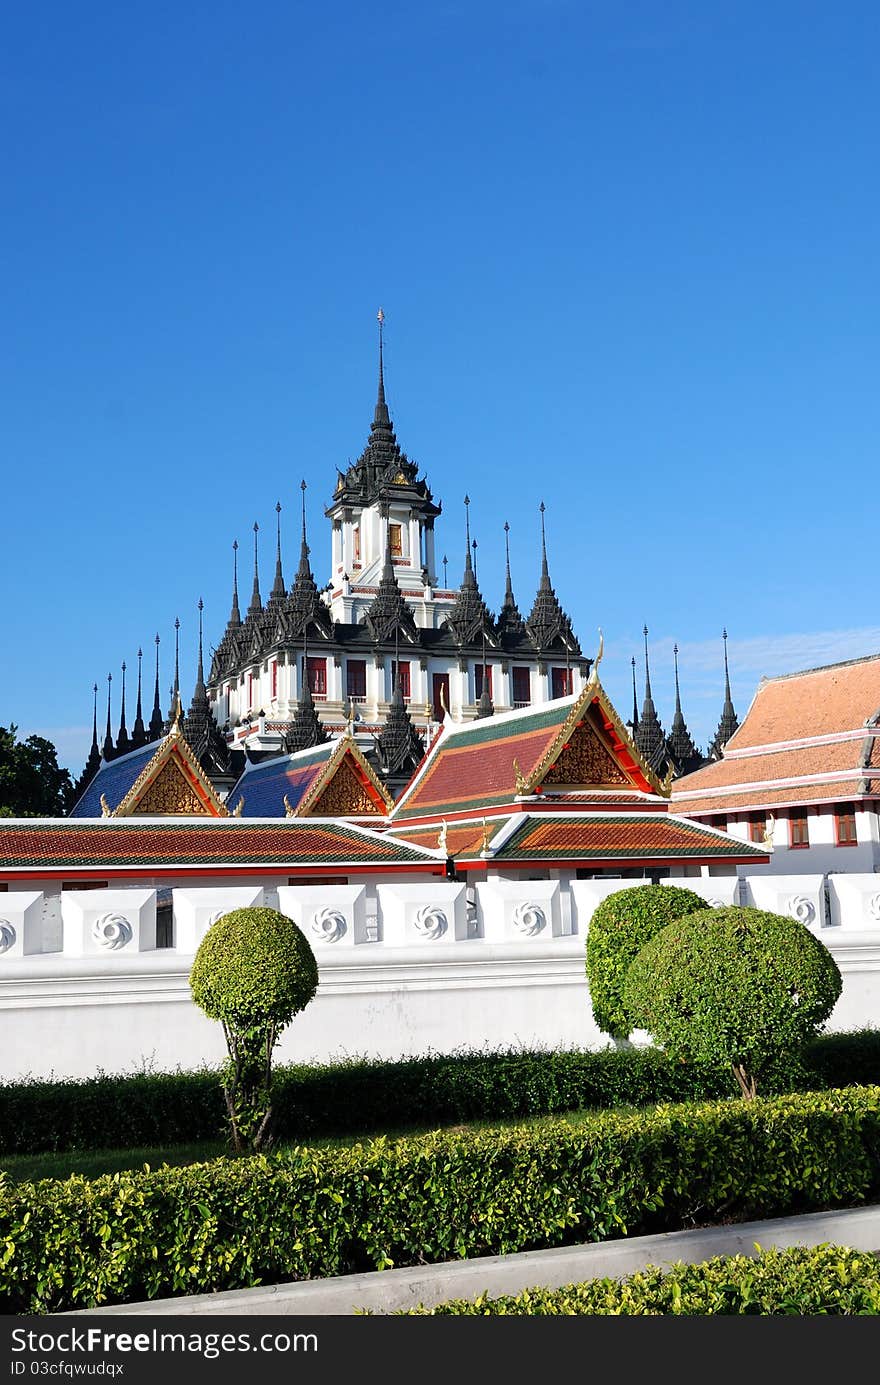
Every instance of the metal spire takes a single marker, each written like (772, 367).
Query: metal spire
(256, 605)
(677, 691)
(235, 613)
(156, 719)
(647, 667)
(107, 749)
(445, 561)
(123, 744)
(139, 731)
(729, 722)
(635, 720)
(381, 416)
(176, 709)
(279, 591)
(508, 590)
(474, 547)
(467, 529)
(94, 747)
(545, 571)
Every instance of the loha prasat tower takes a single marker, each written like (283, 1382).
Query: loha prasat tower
(384, 647)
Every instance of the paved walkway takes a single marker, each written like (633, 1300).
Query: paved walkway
(387, 1290)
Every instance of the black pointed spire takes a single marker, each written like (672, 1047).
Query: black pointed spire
(157, 721)
(399, 747)
(123, 742)
(680, 747)
(635, 715)
(484, 705)
(256, 606)
(470, 617)
(548, 625)
(279, 591)
(235, 613)
(388, 613)
(139, 731)
(107, 750)
(199, 727)
(729, 722)
(93, 762)
(303, 606)
(445, 581)
(650, 740)
(305, 730)
(510, 622)
(176, 705)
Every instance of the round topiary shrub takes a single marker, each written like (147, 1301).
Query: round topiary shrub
(254, 970)
(619, 929)
(737, 988)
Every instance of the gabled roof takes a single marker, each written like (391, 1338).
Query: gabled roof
(164, 778)
(331, 779)
(133, 846)
(810, 736)
(568, 745)
(560, 838)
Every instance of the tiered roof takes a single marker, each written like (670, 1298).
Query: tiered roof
(807, 737)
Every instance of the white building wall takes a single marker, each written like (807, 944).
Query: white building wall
(406, 967)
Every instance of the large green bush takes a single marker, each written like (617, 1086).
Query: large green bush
(802, 1280)
(742, 989)
(253, 971)
(618, 930)
(314, 1212)
(361, 1095)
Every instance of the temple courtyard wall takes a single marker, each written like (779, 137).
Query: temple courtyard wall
(405, 968)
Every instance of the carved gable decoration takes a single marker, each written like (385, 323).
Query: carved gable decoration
(171, 784)
(170, 792)
(345, 795)
(586, 760)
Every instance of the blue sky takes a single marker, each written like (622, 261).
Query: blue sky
(628, 260)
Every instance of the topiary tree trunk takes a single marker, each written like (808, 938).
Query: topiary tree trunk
(253, 972)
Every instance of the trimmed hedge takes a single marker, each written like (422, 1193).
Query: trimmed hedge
(156, 1109)
(833, 1280)
(234, 1223)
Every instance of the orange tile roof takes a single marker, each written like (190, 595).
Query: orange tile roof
(844, 790)
(817, 702)
(594, 836)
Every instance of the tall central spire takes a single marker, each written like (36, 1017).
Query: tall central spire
(381, 418)
(548, 625)
(729, 722)
(679, 744)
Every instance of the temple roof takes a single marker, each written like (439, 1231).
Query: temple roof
(164, 778)
(810, 735)
(308, 782)
(603, 839)
(563, 746)
(139, 846)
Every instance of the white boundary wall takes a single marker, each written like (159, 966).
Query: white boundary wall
(405, 968)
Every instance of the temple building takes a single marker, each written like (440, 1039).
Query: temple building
(802, 772)
(383, 646)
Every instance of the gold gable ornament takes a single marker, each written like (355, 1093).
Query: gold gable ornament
(522, 783)
(105, 807)
(237, 810)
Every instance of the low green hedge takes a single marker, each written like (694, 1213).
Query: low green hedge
(154, 1109)
(800, 1281)
(232, 1223)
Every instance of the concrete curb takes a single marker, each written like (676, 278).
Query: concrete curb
(388, 1290)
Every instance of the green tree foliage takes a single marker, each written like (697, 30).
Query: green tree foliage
(737, 988)
(619, 929)
(32, 785)
(254, 970)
